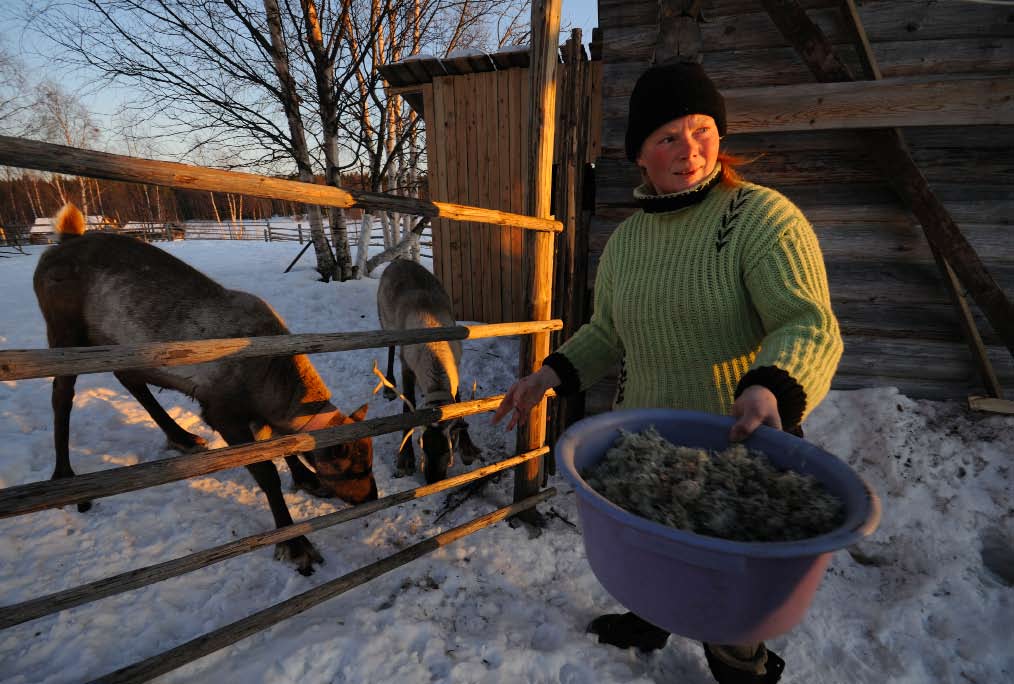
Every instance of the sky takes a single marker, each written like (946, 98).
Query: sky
(929, 597)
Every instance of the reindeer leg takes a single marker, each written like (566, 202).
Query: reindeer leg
(63, 402)
(389, 393)
(178, 438)
(298, 550)
(462, 441)
(406, 456)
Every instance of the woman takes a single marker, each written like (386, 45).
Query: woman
(712, 297)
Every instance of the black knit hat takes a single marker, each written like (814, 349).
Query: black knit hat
(667, 92)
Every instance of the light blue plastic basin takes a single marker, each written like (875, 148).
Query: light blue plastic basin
(707, 588)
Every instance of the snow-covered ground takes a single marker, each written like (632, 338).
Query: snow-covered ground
(928, 598)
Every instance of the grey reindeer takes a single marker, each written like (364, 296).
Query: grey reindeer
(408, 297)
(106, 289)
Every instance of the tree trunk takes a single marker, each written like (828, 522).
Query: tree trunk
(214, 207)
(363, 248)
(340, 240)
(290, 104)
(323, 70)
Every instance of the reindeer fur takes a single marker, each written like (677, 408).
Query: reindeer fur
(106, 289)
(409, 297)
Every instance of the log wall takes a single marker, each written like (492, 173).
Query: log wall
(899, 324)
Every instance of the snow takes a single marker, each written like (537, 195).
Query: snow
(915, 603)
(513, 48)
(465, 52)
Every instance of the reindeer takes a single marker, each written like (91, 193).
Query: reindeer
(107, 289)
(409, 296)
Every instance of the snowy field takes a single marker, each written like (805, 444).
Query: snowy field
(928, 598)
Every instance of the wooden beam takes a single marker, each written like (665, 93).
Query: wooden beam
(991, 405)
(38, 496)
(537, 257)
(229, 634)
(33, 154)
(893, 102)
(17, 613)
(855, 24)
(961, 101)
(415, 88)
(21, 364)
(902, 172)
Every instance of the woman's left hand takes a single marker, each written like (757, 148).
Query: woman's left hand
(756, 406)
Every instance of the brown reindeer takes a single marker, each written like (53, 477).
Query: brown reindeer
(105, 289)
(409, 296)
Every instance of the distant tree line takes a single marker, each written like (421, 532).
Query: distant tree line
(25, 196)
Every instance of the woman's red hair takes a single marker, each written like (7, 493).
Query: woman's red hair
(730, 168)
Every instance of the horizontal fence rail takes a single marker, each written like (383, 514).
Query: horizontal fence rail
(16, 614)
(38, 496)
(22, 364)
(239, 630)
(42, 156)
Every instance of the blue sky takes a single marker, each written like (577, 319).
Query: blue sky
(582, 14)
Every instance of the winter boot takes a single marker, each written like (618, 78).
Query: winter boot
(626, 630)
(764, 668)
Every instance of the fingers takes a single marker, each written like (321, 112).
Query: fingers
(520, 398)
(774, 420)
(755, 407)
(744, 427)
(509, 402)
(503, 409)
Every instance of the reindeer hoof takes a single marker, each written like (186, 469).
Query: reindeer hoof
(190, 444)
(470, 453)
(404, 472)
(301, 552)
(405, 465)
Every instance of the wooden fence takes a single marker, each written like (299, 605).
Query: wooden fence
(20, 364)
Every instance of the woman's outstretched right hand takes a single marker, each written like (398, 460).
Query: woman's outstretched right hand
(525, 394)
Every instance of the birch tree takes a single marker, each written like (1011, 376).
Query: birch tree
(289, 99)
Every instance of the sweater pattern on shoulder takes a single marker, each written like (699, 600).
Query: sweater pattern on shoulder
(732, 212)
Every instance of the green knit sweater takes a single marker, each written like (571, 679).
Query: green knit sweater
(693, 299)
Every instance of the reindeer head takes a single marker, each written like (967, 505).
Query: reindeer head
(347, 469)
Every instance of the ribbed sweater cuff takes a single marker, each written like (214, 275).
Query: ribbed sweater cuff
(570, 381)
(790, 394)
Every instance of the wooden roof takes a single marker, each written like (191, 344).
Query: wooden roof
(407, 77)
(416, 71)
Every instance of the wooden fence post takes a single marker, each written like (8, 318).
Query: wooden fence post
(299, 227)
(537, 257)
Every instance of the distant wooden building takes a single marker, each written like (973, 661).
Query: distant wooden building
(42, 231)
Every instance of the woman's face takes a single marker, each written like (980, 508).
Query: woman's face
(680, 154)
